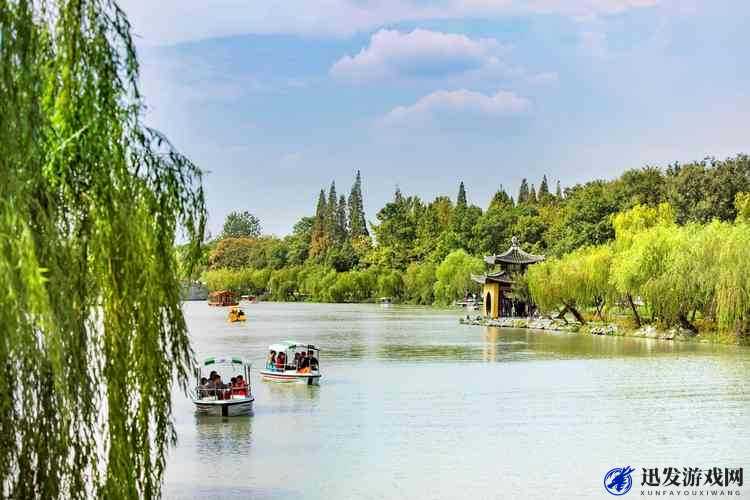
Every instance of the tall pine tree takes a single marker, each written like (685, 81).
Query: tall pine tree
(558, 191)
(318, 237)
(461, 199)
(523, 192)
(331, 210)
(543, 192)
(501, 199)
(357, 224)
(532, 195)
(342, 232)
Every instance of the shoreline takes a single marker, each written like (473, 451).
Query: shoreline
(608, 329)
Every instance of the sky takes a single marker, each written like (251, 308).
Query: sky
(274, 100)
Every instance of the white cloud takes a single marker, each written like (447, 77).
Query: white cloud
(419, 53)
(172, 21)
(451, 103)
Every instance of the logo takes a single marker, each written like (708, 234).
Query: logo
(618, 481)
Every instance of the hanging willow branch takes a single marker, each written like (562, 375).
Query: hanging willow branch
(91, 202)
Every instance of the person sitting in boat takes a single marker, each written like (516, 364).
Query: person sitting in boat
(312, 360)
(296, 361)
(218, 386)
(304, 363)
(203, 388)
(280, 361)
(239, 387)
(271, 360)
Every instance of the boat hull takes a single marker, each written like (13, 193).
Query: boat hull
(291, 377)
(224, 408)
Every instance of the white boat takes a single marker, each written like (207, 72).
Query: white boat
(220, 397)
(303, 368)
(385, 301)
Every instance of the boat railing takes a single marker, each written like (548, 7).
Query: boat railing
(222, 394)
(287, 368)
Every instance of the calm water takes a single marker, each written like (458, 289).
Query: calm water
(414, 405)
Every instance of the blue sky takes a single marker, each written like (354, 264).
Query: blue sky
(277, 99)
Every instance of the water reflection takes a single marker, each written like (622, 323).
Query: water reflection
(221, 436)
(397, 413)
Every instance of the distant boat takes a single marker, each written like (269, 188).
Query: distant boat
(385, 301)
(227, 400)
(287, 369)
(237, 315)
(223, 298)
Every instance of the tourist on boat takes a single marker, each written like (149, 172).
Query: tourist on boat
(296, 361)
(304, 363)
(239, 387)
(203, 388)
(280, 361)
(272, 360)
(217, 386)
(312, 360)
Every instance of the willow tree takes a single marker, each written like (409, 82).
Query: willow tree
(629, 225)
(91, 203)
(577, 280)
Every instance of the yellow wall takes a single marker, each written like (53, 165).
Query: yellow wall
(495, 295)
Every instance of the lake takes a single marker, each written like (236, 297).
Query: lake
(414, 405)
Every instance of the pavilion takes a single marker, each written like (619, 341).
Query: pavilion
(497, 283)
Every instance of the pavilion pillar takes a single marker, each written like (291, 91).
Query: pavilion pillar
(491, 297)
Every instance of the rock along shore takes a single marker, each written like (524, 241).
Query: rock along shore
(611, 329)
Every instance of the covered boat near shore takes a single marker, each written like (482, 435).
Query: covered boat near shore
(223, 387)
(291, 361)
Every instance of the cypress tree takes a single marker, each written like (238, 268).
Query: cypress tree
(532, 195)
(501, 199)
(398, 197)
(357, 224)
(461, 198)
(318, 236)
(523, 192)
(331, 210)
(558, 191)
(543, 192)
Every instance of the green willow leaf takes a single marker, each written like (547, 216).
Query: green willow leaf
(91, 204)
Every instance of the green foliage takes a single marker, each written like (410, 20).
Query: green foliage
(585, 218)
(454, 276)
(357, 224)
(461, 198)
(577, 280)
(419, 283)
(523, 192)
(91, 203)
(618, 244)
(705, 190)
(241, 225)
(244, 281)
(742, 205)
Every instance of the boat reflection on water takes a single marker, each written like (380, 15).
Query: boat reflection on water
(218, 436)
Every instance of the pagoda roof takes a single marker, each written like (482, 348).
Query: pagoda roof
(496, 277)
(514, 255)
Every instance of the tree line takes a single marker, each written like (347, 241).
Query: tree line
(696, 275)
(336, 255)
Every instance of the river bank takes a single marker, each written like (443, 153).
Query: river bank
(605, 328)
